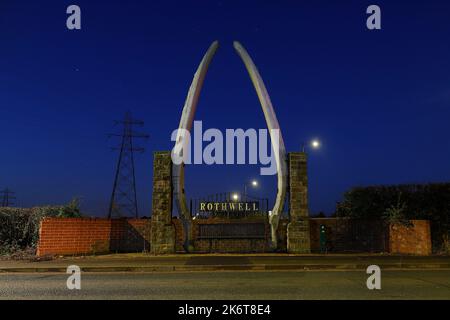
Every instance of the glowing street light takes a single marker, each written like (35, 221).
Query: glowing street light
(254, 184)
(314, 144)
(235, 196)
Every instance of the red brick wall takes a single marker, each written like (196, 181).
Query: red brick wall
(415, 239)
(72, 236)
(130, 235)
(66, 236)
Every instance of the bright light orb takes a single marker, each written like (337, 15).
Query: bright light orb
(315, 144)
(235, 196)
(254, 183)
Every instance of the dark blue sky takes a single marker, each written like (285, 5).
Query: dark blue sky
(378, 100)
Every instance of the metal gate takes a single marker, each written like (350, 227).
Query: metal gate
(357, 235)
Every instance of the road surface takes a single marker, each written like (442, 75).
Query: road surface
(397, 284)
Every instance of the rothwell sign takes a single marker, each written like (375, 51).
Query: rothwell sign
(222, 207)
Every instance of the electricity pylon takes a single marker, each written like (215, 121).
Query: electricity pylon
(123, 198)
(7, 196)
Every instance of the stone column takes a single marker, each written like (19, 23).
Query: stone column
(298, 233)
(163, 231)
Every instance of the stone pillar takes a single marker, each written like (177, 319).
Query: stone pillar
(298, 233)
(163, 231)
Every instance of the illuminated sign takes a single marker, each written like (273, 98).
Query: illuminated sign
(234, 206)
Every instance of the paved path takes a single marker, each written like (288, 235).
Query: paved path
(229, 285)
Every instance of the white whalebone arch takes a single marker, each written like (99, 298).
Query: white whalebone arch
(186, 122)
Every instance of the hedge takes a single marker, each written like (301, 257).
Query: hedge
(19, 227)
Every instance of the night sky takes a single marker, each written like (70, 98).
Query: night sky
(379, 101)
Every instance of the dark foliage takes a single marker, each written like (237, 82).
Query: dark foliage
(19, 227)
(419, 201)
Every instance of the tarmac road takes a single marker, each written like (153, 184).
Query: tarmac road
(398, 284)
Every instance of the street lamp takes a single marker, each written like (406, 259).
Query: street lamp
(254, 184)
(235, 196)
(314, 144)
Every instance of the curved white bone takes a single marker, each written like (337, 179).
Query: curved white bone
(186, 121)
(277, 140)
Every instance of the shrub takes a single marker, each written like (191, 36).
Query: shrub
(397, 214)
(19, 227)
